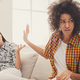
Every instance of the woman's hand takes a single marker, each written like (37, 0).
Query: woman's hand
(19, 48)
(18, 59)
(64, 75)
(25, 36)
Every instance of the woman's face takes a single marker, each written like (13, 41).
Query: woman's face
(66, 24)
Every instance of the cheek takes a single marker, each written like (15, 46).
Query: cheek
(72, 26)
(0, 38)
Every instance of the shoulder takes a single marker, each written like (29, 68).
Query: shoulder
(55, 35)
(11, 45)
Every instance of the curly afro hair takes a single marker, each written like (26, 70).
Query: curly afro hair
(64, 6)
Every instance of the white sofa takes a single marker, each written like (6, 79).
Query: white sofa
(35, 66)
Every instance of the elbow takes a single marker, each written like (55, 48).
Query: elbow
(18, 68)
(46, 58)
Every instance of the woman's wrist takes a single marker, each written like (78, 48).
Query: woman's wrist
(17, 51)
(71, 75)
(27, 41)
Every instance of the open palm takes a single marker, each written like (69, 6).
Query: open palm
(25, 33)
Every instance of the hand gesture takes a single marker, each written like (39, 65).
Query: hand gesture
(19, 48)
(25, 33)
(64, 75)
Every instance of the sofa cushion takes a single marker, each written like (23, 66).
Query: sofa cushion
(28, 62)
(42, 69)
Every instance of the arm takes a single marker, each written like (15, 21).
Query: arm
(18, 59)
(75, 76)
(34, 47)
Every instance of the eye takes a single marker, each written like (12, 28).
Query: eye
(62, 21)
(71, 21)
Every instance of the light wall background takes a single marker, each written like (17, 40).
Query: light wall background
(6, 22)
(6, 19)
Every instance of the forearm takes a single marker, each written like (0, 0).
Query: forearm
(36, 48)
(18, 60)
(75, 76)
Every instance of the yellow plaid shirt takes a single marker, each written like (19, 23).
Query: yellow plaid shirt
(72, 56)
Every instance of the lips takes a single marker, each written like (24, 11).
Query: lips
(67, 30)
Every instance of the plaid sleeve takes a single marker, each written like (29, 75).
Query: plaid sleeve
(47, 49)
(51, 45)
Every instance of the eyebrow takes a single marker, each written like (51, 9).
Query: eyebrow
(64, 19)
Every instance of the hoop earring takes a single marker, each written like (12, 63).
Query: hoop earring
(59, 29)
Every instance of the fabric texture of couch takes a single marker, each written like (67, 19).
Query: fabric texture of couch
(35, 66)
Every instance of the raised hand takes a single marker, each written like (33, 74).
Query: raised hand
(25, 33)
(19, 48)
(18, 59)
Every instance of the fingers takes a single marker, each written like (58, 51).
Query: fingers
(20, 47)
(24, 45)
(27, 29)
(64, 75)
(25, 33)
(67, 77)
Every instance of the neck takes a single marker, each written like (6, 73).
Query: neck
(66, 38)
(1, 43)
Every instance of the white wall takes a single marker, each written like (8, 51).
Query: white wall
(6, 19)
(6, 22)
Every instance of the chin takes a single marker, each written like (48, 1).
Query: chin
(68, 33)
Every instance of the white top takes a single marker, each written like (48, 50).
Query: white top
(59, 58)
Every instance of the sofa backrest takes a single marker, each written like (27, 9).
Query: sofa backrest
(28, 63)
(42, 69)
(35, 66)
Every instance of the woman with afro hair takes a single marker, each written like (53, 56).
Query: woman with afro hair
(63, 47)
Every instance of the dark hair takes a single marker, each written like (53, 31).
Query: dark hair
(3, 37)
(64, 6)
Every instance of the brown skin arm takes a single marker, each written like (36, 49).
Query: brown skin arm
(34, 47)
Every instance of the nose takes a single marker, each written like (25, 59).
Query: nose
(67, 25)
